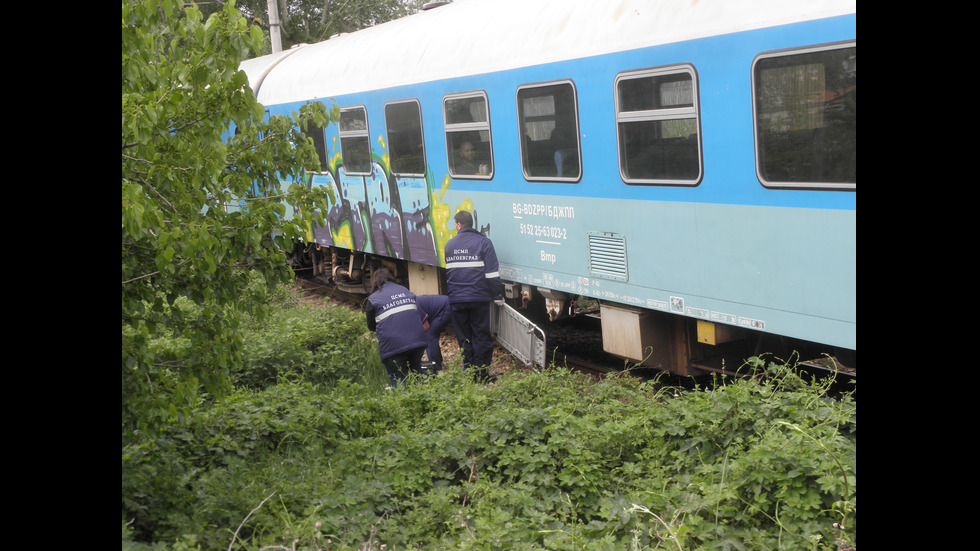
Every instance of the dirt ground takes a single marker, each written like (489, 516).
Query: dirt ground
(503, 362)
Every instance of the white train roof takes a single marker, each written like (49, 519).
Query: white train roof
(481, 36)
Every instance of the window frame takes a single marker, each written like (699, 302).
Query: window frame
(660, 115)
(366, 133)
(391, 159)
(478, 126)
(520, 129)
(756, 131)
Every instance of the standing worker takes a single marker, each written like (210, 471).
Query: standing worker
(392, 312)
(435, 313)
(473, 280)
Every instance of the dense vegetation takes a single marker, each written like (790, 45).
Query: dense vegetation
(202, 205)
(310, 451)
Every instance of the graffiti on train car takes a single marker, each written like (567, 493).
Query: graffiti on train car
(381, 212)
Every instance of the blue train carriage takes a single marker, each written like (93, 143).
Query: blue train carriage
(689, 166)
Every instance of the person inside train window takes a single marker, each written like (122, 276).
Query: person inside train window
(471, 154)
(467, 127)
(392, 313)
(466, 159)
(565, 152)
(547, 116)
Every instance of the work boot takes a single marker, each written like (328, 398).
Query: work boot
(482, 375)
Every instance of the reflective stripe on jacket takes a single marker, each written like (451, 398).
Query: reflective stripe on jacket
(391, 312)
(472, 272)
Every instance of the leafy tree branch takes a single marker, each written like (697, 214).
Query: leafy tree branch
(203, 196)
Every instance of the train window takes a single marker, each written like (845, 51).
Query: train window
(806, 117)
(315, 132)
(548, 119)
(406, 149)
(355, 142)
(658, 127)
(468, 144)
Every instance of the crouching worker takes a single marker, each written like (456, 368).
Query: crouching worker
(436, 315)
(392, 313)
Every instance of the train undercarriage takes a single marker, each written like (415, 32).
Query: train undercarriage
(640, 338)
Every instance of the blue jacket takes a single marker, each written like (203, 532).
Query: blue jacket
(391, 312)
(472, 272)
(434, 309)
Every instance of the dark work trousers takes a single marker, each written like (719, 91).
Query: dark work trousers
(436, 327)
(400, 365)
(471, 321)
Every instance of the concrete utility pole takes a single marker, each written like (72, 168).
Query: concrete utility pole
(274, 26)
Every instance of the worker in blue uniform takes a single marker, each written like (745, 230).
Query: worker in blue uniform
(435, 313)
(473, 281)
(392, 313)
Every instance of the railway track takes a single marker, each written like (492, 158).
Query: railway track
(313, 290)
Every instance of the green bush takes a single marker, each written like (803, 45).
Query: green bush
(317, 345)
(315, 455)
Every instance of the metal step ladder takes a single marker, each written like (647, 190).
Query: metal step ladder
(523, 339)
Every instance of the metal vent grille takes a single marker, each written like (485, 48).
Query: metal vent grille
(607, 256)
